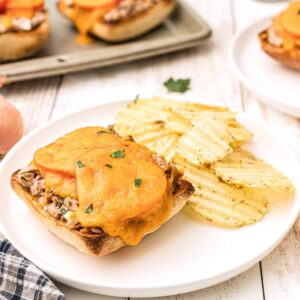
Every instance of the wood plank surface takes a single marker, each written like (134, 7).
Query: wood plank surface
(278, 276)
(34, 99)
(281, 269)
(211, 81)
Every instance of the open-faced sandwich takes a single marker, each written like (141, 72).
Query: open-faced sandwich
(98, 191)
(115, 20)
(24, 28)
(282, 40)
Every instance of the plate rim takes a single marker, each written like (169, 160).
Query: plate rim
(273, 101)
(171, 289)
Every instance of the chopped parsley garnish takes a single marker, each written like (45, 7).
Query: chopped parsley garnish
(109, 166)
(177, 86)
(89, 209)
(138, 182)
(63, 211)
(80, 164)
(102, 131)
(136, 98)
(118, 154)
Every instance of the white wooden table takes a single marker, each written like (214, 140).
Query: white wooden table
(278, 275)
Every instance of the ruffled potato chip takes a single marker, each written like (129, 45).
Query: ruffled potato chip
(243, 169)
(211, 138)
(221, 203)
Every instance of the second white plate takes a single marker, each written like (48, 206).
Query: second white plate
(183, 255)
(272, 82)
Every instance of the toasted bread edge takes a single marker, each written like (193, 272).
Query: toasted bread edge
(132, 27)
(92, 244)
(18, 45)
(278, 53)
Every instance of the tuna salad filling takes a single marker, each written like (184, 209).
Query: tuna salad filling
(125, 9)
(128, 8)
(58, 207)
(274, 39)
(63, 208)
(21, 23)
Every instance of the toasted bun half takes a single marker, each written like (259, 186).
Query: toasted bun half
(93, 244)
(18, 45)
(278, 53)
(131, 27)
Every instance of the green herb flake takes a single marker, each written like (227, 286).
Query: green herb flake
(118, 154)
(109, 166)
(89, 209)
(63, 211)
(299, 12)
(136, 98)
(102, 131)
(177, 86)
(138, 182)
(80, 164)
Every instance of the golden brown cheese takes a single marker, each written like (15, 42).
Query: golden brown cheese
(118, 184)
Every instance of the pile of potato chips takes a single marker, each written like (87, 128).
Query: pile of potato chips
(205, 143)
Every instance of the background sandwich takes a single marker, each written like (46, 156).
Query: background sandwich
(24, 28)
(115, 20)
(281, 40)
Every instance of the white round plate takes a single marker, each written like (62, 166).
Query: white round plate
(183, 255)
(271, 81)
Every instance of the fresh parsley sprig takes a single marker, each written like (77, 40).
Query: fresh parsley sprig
(138, 182)
(177, 86)
(89, 209)
(118, 154)
(80, 164)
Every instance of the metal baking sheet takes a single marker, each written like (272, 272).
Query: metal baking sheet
(184, 29)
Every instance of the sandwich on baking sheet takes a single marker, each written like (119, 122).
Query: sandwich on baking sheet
(281, 40)
(115, 20)
(24, 28)
(98, 191)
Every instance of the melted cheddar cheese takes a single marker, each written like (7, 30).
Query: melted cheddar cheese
(287, 27)
(291, 19)
(61, 155)
(84, 20)
(120, 207)
(84, 17)
(118, 184)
